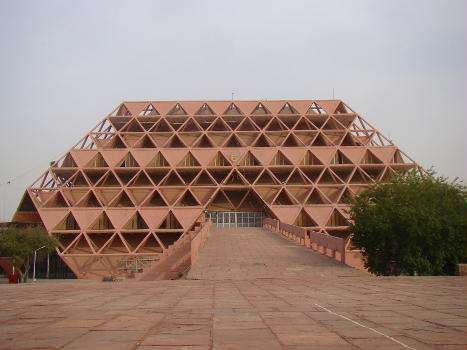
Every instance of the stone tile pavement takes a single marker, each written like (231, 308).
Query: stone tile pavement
(268, 298)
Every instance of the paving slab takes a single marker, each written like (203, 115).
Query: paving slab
(278, 295)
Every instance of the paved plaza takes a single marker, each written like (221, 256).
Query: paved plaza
(249, 289)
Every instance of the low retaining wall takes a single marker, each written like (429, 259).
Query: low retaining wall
(331, 246)
(179, 257)
(198, 241)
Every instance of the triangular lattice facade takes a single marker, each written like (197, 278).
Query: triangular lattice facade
(145, 175)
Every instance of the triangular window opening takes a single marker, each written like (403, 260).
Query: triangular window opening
(219, 175)
(247, 125)
(128, 162)
(332, 124)
(397, 158)
(123, 201)
(187, 200)
(296, 179)
(249, 160)
(203, 180)
(109, 181)
(187, 176)
(303, 124)
(315, 109)
(235, 179)
(280, 159)
(148, 111)
(115, 142)
(89, 201)
(141, 180)
(220, 203)
(219, 125)
(251, 202)
(155, 200)
(190, 126)
(320, 141)
(358, 178)
(331, 192)
(97, 162)
(262, 141)
(250, 175)
(78, 181)
(282, 174)
(260, 109)
(291, 141)
(337, 219)
(233, 110)
(68, 224)
(288, 109)
(125, 175)
(177, 110)
(341, 109)
(173, 180)
(328, 178)
(204, 142)
(56, 201)
(312, 174)
(275, 125)
(235, 196)
(102, 223)
(316, 198)
(133, 126)
(136, 223)
(266, 179)
(175, 142)
(348, 140)
(261, 121)
(340, 158)
(158, 161)
(347, 195)
(68, 162)
(310, 159)
(233, 123)
(283, 199)
(162, 126)
(205, 110)
(373, 173)
(369, 158)
(122, 111)
(145, 142)
(248, 137)
(304, 220)
(189, 161)
(343, 173)
(220, 160)
(233, 141)
(170, 223)
(156, 175)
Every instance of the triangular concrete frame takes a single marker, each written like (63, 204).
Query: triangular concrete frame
(328, 152)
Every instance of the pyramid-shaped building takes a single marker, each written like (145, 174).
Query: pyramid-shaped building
(148, 172)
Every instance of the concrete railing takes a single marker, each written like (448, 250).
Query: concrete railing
(326, 244)
(179, 257)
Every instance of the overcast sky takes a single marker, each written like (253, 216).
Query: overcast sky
(64, 65)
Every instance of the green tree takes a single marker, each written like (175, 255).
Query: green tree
(20, 244)
(411, 224)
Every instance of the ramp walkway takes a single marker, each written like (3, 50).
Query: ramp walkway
(251, 253)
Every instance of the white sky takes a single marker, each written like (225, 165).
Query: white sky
(65, 64)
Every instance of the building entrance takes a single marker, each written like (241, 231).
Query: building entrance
(236, 219)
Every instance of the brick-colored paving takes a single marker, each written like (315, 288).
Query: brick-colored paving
(254, 305)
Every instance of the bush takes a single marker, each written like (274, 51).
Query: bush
(412, 224)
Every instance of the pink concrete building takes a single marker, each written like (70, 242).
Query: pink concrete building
(150, 171)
